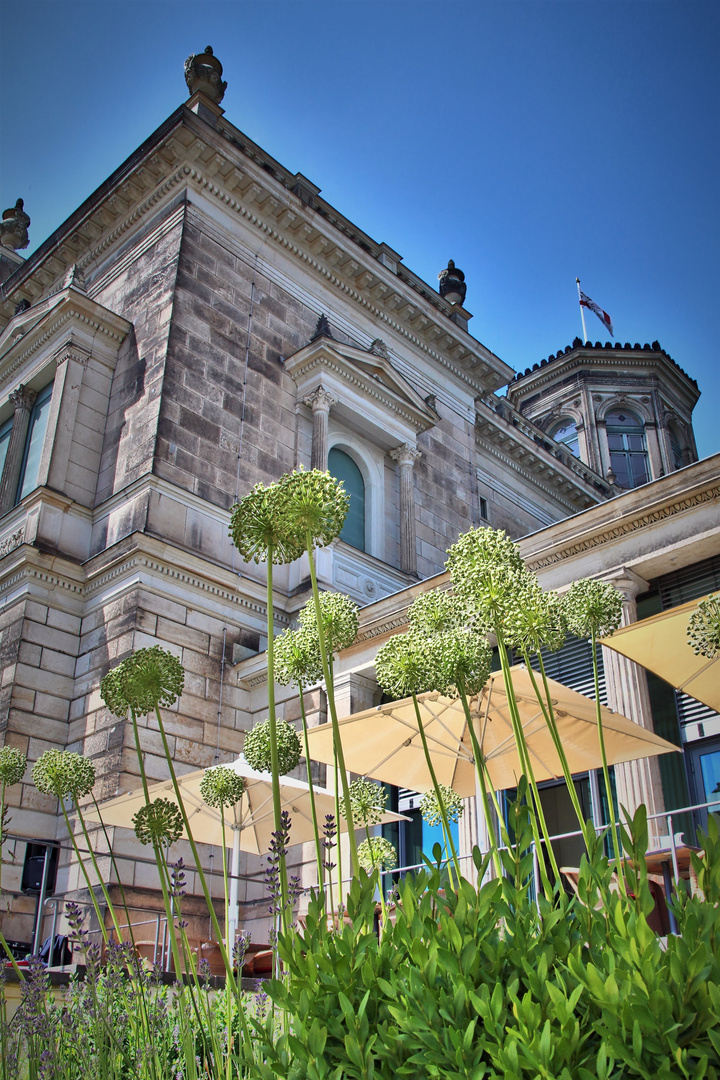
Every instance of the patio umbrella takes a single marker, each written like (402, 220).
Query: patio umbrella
(660, 644)
(384, 742)
(250, 822)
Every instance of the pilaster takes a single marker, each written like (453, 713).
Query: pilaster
(320, 401)
(23, 399)
(71, 363)
(406, 456)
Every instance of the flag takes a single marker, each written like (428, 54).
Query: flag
(603, 316)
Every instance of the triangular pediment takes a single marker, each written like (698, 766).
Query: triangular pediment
(332, 364)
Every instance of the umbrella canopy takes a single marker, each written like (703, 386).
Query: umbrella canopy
(660, 644)
(251, 819)
(384, 743)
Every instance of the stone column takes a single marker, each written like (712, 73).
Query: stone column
(23, 399)
(320, 401)
(637, 781)
(406, 456)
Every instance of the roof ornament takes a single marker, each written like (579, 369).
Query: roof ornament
(452, 285)
(322, 329)
(14, 227)
(379, 348)
(203, 73)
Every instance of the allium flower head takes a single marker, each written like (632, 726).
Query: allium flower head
(62, 773)
(259, 523)
(704, 628)
(316, 503)
(149, 678)
(220, 787)
(297, 658)
(435, 611)
(367, 802)
(158, 822)
(537, 619)
(484, 565)
(12, 765)
(257, 747)
(377, 854)
(339, 618)
(462, 660)
(406, 665)
(430, 808)
(592, 606)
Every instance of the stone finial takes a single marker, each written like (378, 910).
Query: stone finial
(379, 348)
(74, 277)
(452, 284)
(203, 72)
(14, 227)
(322, 329)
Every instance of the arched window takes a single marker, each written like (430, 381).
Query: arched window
(566, 433)
(342, 467)
(626, 443)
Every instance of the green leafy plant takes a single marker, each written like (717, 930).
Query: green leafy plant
(703, 630)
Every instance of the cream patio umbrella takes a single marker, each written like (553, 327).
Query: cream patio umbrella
(251, 822)
(384, 742)
(660, 644)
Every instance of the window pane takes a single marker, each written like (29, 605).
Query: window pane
(615, 442)
(4, 440)
(639, 469)
(34, 444)
(619, 465)
(635, 442)
(623, 419)
(342, 467)
(566, 433)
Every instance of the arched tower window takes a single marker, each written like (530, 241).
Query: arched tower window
(566, 433)
(628, 452)
(342, 467)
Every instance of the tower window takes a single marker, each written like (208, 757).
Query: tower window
(342, 467)
(628, 452)
(566, 433)
(675, 448)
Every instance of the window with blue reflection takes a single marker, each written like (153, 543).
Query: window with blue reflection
(628, 452)
(566, 433)
(34, 443)
(342, 467)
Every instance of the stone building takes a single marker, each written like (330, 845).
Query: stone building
(204, 321)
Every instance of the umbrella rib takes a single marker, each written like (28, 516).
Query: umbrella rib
(696, 674)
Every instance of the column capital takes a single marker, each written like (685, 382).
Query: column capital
(70, 351)
(406, 454)
(23, 398)
(627, 582)
(320, 400)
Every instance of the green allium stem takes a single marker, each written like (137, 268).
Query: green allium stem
(193, 847)
(480, 769)
(527, 768)
(545, 702)
(83, 868)
(274, 763)
(313, 809)
(438, 793)
(333, 711)
(606, 773)
(3, 942)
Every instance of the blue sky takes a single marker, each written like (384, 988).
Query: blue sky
(529, 141)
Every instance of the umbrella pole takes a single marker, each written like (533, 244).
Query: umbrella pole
(480, 774)
(234, 875)
(438, 794)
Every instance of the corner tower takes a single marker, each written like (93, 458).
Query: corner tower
(624, 410)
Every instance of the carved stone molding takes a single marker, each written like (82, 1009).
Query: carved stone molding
(407, 454)
(12, 541)
(321, 400)
(23, 398)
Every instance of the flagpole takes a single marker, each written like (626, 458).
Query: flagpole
(582, 313)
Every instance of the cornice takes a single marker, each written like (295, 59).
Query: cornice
(73, 309)
(624, 527)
